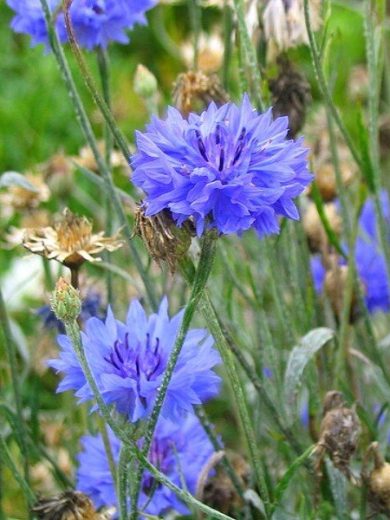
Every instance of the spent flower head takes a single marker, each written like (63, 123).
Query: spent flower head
(70, 241)
(229, 168)
(128, 361)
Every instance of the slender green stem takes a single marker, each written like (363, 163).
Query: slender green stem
(90, 137)
(250, 52)
(200, 280)
(73, 333)
(107, 446)
(124, 457)
(196, 24)
(373, 42)
(104, 72)
(12, 361)
(208, 428)
(6, 459)
(238, 392)
(324, 87)
(90, 82)
(227, 33)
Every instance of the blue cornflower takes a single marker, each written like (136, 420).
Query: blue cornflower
(95, 22)
(30, 19)
(229, 168)
(180, 451)
(128, 361)
(370, 261)
(91, 306)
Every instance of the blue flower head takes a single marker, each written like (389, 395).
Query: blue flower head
(128, 361)
(229, 168)
(180, 451)
(95, 22)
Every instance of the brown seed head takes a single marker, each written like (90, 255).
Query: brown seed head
(70, 241)
(377, 481)
(18, 198)
(220, 493)
(314, 229)
(164, 241)
(339, 432)
(290, 96)
(194, 91)
(71, 505)
(334, 285)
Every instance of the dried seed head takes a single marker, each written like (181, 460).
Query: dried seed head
(339, 433)
(325, 177)
(71, 505)
(194, 91)
(290, 96)
(378, 481)
(314, 229)
(220, 493)
(70, 242)
(335, 284)
(164, 241)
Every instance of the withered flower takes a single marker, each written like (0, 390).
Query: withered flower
(290, 96)
(316, 235)
(219, 492)
(164, 241)
(377, 481)
(335, 284)
(339, 433)
(70, 241)
(18, 198)
(210, 53)
(70, 505)
(194, 91)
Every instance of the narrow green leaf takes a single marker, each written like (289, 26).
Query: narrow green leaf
(285, 480)
(338, 486)
(299, 358)
(8, 179)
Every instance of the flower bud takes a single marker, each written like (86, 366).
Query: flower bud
(65, 301)
(145, 83)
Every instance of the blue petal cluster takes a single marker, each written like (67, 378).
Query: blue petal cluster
(370, 262)
(180, 450)
(95, 22)
(229, 168)
(128, 361)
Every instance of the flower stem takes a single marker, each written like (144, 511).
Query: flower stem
(12, 361)
(199, 283)
(325, 89)
(90, 137)
(73, 333)
(250, 52)
(124, 457)
(90, 83)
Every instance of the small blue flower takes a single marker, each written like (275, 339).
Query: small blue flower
(91, 306)
(180, 451)
(229, 168)
(95, 22)
(128, 361)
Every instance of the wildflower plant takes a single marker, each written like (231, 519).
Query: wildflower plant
(190, 400)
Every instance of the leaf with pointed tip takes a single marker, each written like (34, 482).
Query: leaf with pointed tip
(299, 357)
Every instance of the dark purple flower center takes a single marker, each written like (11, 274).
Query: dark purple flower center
(130, 362)
(227, 155)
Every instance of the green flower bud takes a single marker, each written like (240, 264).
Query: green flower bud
(65, 301)
(145, 84)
